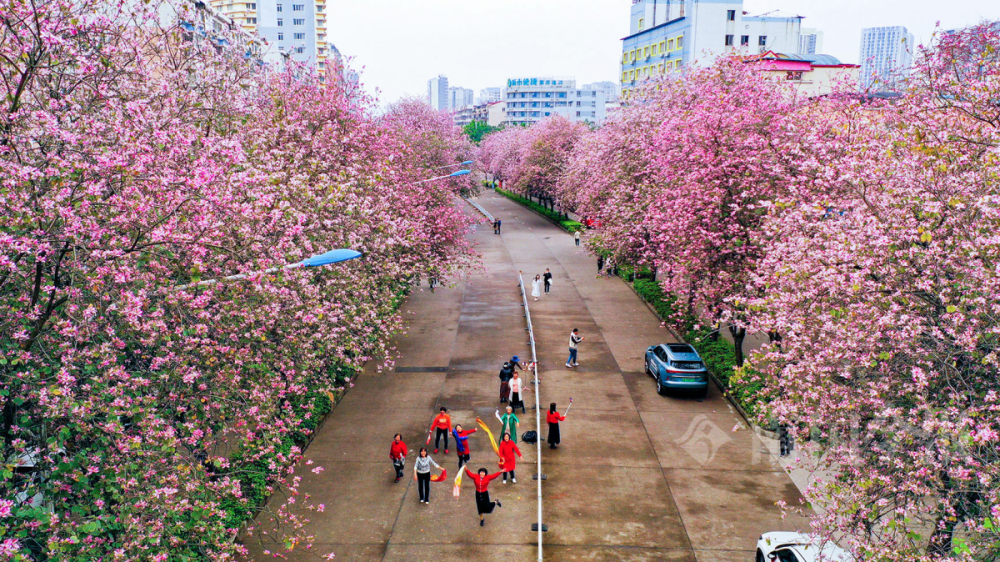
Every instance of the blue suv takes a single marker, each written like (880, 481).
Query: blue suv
(677, 366)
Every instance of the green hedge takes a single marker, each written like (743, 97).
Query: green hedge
(719, 354)
(567, 225)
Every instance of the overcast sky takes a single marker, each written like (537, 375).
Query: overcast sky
(400, 44)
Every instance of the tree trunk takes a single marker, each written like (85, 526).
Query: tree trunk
(739, 334)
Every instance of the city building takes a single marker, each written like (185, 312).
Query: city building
(490, 95)
(201, 21)
(610, 89)
(811, 75)
(530, 100)
(460, 98)
(886, 57)
(810, 41)
(463, 116)
(437, 93)
(296, 28)
(667, 35)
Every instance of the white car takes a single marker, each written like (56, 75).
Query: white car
(798, 547)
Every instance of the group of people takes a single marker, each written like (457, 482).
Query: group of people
(496, 226)
(545, 279)
(512, 388)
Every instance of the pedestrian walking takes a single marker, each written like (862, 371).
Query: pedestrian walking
(499, 224)
(547, 277)
(482, 480)
(508, 422)
(422, 472)
(508, 448)
(536, 286)
(397, 453)
(553, 418)
(784, 440)
(494, 226)
(442, 427)
(462, 443)
(576, 238)
(574, 340)
(506, 373)
(600, 264)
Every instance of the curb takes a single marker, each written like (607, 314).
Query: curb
(725, 393)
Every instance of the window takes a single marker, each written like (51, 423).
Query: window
(300, 49)
(280, 22)
(762, 40)
(631, 75)
(663, 46)
(730, 15)
(680, 42)
(652, 50)
(670, 45)
(624, 76)
(745, 40)
(729, 40)
(300, 35)
(632, 55)
(625, 58)
(303, 22)
(793, 75)
(281, 37)
(251, 20)
(659, 68)
(251, 6)
(677, 63)
(645, 53)
(642, 23)
(298, 7)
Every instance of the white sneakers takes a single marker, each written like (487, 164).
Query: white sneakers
(514, 480)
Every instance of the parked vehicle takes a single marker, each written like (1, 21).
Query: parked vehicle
(591, 223)
(798, 547)
(677, 366)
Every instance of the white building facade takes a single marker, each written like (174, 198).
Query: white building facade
(668, 35)
(295, 28)
(810, 41)
(490, 95)
(886, 57)
(437, 93)
(460, 98)
(530, 100)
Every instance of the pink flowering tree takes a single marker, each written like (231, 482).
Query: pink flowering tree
(142, 416)
(545, 149)
(883, 282)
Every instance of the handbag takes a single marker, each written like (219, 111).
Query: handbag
(529, 437)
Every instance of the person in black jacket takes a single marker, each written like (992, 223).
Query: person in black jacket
(547, 277)
(506, 373)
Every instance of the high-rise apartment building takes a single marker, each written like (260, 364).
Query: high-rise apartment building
(296, 28)
(437, 93)
(610, 89)
(810, 41)
(886, 57)
(460, 98)
(530, 100)
(490, 95)
(667, 35)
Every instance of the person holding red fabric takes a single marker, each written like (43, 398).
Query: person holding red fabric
(508, 448)
(462, 443)
(442, 425)
(483, 503)
(397, 453)
(554, 418)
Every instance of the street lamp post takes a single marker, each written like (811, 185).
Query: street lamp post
(319, 260)
(451, 175)
(466, 163)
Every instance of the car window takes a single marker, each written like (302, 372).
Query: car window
(786, 555)
(660, 354)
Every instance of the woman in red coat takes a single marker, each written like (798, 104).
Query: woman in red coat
(397, 453)
(507, 451)
(482, 482)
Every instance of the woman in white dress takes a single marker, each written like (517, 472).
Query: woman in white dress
(536, 287)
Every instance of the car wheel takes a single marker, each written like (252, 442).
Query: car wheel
(646, 364)
(660, 389)
(760, 556)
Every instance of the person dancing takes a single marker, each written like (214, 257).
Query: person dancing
(397, 454)
(553, 418)
(462, 443)
(422, 472)
(442, 426)
(482, 482)
(508, 448)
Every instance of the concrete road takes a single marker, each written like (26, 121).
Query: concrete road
(638, 477)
